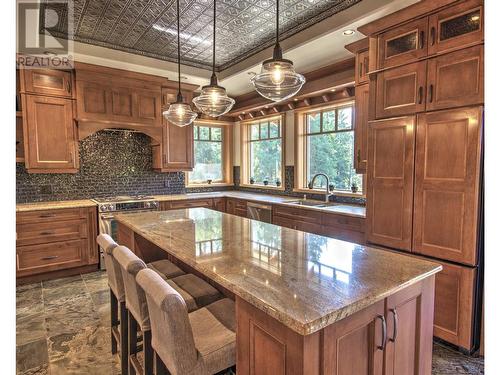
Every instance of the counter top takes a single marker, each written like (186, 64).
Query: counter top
(303, 280)
(37, 206)
(340, 208)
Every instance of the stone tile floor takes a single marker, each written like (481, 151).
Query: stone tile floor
(62, 327)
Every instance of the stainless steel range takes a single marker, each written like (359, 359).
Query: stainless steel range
(109, 206)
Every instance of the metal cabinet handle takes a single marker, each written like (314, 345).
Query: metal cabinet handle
(431, 93)
(420, 94)
(421, 39)
(360, 69)
(68, 86)
(47, 233)
(384, 332)
(395, 320)
(359, 156)
(46, 215)
(366, 65)
(50, 257)
(433, 35)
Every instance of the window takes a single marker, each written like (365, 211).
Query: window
(211, 154)
(262, 157)
(328, 147)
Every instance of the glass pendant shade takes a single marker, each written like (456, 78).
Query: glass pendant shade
(278, 80)
(213, 101)
(180, 114)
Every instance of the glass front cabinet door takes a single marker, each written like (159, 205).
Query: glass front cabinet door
(456, 27)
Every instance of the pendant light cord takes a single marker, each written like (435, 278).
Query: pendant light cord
(277, 21)
(213, 44)
(179, 50)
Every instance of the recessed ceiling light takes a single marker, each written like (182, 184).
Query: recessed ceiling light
(349, 32)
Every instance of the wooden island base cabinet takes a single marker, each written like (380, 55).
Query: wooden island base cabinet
(358, 344)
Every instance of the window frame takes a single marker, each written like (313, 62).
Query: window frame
(301, 149)
(245, 133)
(227, 161)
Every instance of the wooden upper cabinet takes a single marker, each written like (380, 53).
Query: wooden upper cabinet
(149, 108)
(456, 79)
(403, 44)
(401, 91)
(453, 307)
(92, 101)
(390, 182)
(50, 135)
(361, 105)
(447, 184)
(354, 344)
(362, 67)
(456, 27)
(54, 82)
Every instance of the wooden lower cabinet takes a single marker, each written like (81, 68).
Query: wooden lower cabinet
(55, 240)
(236, 207)
(454, 304)
(392, 336)
(188, 203)
(220, 204)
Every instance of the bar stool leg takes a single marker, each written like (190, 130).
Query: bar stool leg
(132, 341)
(114, 320)
(160, 366)
(148, 353)
(123, 338)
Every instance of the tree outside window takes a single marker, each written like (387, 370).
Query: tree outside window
(330, 148)
(265, 152)
(208, 165)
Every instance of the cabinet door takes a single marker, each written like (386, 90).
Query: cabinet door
(454, 304)
(456, 79)
(409, 315)
(177, 147)
(51, 134)
(55, 82)
(361, 106)
(220, 204)
(148, 108)
(401, 91)
(447, 184)
(362, 66)
(456, 27)
(390, 182)
(404, 44)
(121, 104)
(353, 345)
(91, 101)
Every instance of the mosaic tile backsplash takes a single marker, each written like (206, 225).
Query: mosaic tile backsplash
(111, 163)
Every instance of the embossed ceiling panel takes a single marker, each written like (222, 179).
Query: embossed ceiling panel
(148, 27)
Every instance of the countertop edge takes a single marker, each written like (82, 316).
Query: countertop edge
(54, 205)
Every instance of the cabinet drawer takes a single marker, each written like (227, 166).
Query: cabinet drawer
(48, 81)
(344, 221)
(305, 215)
(298, 225)
(50, 215)
(39, 233)
(283, 222)
(453, 305)
(34, 259)
(344, 234)
(174, 205)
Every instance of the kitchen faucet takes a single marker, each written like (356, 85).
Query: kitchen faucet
(311, 185)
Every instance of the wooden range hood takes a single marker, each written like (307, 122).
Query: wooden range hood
(108, 98)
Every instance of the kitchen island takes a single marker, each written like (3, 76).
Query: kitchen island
(305, 303)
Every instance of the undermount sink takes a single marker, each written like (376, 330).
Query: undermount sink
(309, 203)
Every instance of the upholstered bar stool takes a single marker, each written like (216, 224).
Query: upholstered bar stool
(202, 342)
(117, 300)
(194, 290)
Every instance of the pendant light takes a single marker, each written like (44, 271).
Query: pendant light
(213, 100)
(277, 79)
(179, 113)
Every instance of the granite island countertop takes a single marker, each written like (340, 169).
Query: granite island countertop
(303, 280)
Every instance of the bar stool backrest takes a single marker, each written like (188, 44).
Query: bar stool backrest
(171, 331)
(135, 298)
(113, 271)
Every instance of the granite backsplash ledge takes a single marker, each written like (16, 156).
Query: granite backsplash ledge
(111, 163)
